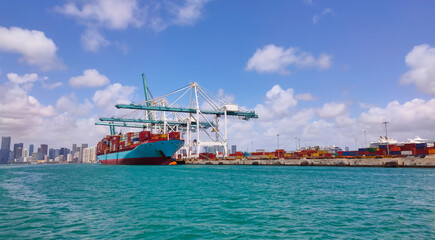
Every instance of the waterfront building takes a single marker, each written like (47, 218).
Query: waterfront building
(6, 143)
(31, 147)
(93, 154)
(44, 149)
(69, 157)
(84, 145)
(34, 157)
(51, 153)
(74, 149)
(90, 155)
(18, 150)
(233, 148)
(64, 152)
(25, 152)
(5, 150)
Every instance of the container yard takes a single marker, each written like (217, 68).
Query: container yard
(392, 155)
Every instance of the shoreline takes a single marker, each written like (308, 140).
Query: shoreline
(404, 162)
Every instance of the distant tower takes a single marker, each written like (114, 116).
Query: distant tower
(44, 149)
(5, 150)
(233, 148)
(84, 145)
(18, 150)
(6, 143)
(74, 149)
(31, 147)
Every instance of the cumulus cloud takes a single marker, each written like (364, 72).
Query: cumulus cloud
(277, 103)
(333, 109)
(34, 47)
(92, 40)
(71, 105)
(26, 119)
(411, 115)
(90, 78)
(189, 13)
(305, 97)
(112, 14)
(52, 85)
(20, 113)
(330, 123)
(113, 94)
(421, 61)
(122, 14)
(26, 78)
(325, 12)
(273, 59)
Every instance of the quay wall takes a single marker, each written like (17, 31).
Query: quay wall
(427, 162)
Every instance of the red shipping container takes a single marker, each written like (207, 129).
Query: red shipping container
(422, 151)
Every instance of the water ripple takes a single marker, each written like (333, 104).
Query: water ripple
(225, 202)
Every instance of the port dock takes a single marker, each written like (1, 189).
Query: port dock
(405, 162)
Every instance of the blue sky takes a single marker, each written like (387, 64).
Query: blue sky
(322, 71)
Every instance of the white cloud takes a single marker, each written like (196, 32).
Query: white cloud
(35, 48)
(122, 14)
(112, 14)
(52, 85)
(325, 12)
(90, 78)
(113, 94)
(421, 61)
(26, 78)
(227, 97)
(21, 113)
(305, 97)
(70, 104)
(330, 123)
(411, 115)
(277, 103)
(273, 59)
(28, 120)
(92, 40)
(333, 109)
(189, 13)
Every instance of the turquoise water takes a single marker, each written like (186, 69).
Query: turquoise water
(215, 202)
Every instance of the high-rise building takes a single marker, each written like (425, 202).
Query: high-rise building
(74, 149)
(5, 150)
(51, 153)
(84, 145)
(64, 152)
(6, 143)
(233, 148)
(18, 150)
(44, 149)
(31, 147)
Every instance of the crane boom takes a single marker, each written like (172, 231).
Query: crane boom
(245, 115)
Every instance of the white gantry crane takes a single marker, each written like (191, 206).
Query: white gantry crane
(201, 116)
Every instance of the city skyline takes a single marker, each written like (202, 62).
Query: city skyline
(19, 154)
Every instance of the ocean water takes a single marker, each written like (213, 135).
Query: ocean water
(215, 202)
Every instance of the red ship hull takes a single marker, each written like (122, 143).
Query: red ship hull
(138, 161)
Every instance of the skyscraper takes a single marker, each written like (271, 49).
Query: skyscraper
(44, 149)
(6, 143)
(18, 150)
(5, 150)
(31, 149)
(234, 148)
(84, 145)
(74, 149)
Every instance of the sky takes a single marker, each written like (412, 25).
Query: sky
(325, 72)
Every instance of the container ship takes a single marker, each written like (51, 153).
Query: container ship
(139, 148)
